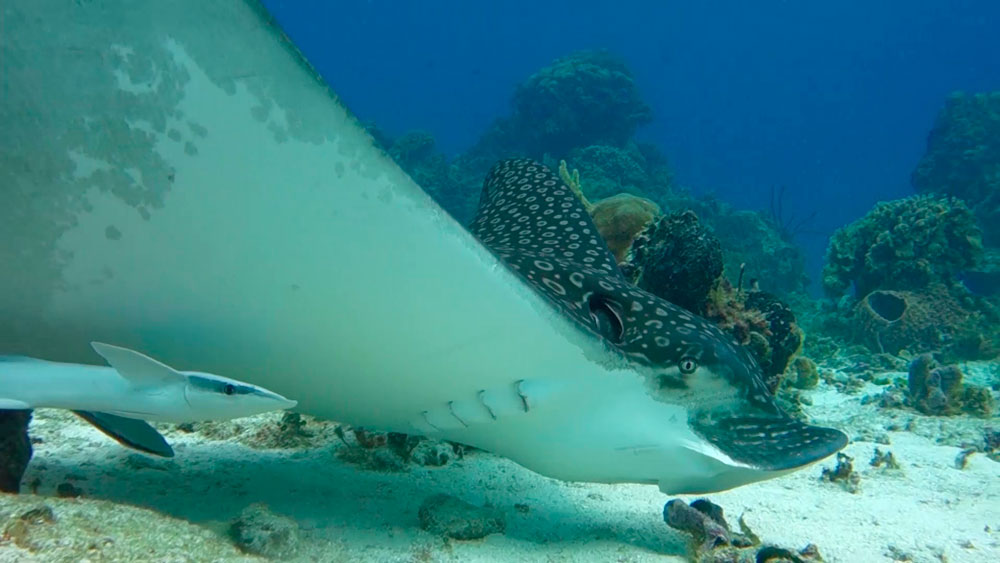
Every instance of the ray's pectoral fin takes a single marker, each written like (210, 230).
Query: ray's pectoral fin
(772, 444)
(129, 432)
(137, 368)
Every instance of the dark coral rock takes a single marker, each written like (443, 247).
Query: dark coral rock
(761, 322)
(620, 219)
(963, 158)
(15, 448)
(715, 542)
(708, 532)
(906, 244)
(586, 98)
(678, 259)
(843, 473)
(454, 518)
(784, 338)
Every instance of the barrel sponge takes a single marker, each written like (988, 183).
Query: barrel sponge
(932, 320)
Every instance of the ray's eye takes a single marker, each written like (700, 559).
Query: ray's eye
(607, 317)
(229, 389)
(688, 366)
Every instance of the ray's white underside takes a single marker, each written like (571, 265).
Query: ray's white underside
(291, 253)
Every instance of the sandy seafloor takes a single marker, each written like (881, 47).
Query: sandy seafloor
(137, 508)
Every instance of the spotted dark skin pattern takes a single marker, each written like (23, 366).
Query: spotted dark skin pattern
(539, 229)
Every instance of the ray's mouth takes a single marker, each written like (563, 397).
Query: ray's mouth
(771, 443)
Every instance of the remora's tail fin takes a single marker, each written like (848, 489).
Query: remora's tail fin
(137, 368)
(129, 432)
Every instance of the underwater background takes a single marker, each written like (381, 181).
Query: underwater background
(831, 102)
(820, 181)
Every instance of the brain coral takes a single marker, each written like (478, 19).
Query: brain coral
(620, 219)
(908, 243)
(963, 158)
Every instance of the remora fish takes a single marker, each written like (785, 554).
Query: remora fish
(202, 196)
(135, 387)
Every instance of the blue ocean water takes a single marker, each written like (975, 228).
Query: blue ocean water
(832, 100)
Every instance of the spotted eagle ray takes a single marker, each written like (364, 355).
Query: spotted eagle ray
(196, 193)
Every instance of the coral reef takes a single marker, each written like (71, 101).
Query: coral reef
(454, 518)
(783, 337)
(620, 219)
(607, 170)
(906, 244)
(963, 158)
(754, 244)
(938, 390)
(761, 322)
(416, 153)
(585, 98)
(904, 261)
(678, 259)
(15, 448)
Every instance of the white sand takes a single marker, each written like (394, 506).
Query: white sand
(928, 510)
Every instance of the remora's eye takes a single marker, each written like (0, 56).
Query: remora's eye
(229, 389)
(688, 366)
(607, 318)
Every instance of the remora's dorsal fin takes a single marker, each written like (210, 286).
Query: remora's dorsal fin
(129, 432)
(137, 368)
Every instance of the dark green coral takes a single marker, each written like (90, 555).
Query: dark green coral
(586, 98)
(909, 243)
(963, 158)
